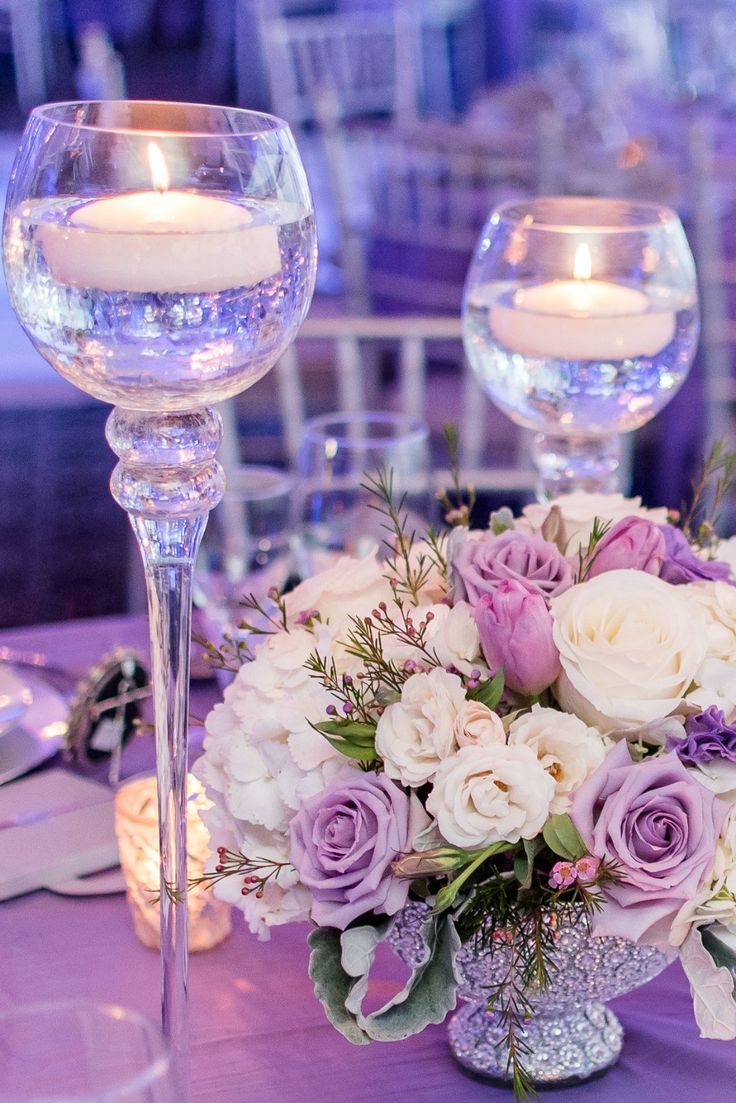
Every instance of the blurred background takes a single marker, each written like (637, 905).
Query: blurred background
(414, 119)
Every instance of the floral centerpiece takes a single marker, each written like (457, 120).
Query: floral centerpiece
(521, 726)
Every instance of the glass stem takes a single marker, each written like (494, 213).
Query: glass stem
(168, 479)
(565, 464)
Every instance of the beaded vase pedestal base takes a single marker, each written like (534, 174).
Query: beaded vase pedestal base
(563, 1047)
(570, 1036)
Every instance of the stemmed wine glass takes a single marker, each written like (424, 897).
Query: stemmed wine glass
(580, 318)
(161, 256)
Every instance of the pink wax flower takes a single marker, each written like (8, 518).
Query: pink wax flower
(562, 875)
(343, 842)
(515, 629)
(658, 826)
(631, 544)
(587, 868)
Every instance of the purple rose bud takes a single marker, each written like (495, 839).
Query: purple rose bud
(515, 629)
(681, 564)
(708, 736)
(480, 566)
(631, 544)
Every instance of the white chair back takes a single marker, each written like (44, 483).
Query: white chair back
(350, 344)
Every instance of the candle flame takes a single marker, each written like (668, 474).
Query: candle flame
(582, 266)
(159, 168)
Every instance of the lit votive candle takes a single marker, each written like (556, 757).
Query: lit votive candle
(161, 241)
(582, 319)
(136, 826)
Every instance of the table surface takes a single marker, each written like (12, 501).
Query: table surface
(257, 1031)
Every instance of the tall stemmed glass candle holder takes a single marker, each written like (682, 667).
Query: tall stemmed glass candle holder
(161, 256)
(580, 319)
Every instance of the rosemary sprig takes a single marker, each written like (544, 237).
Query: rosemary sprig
(715, 481)
(458, 502)
(406, 573)
(586, 556)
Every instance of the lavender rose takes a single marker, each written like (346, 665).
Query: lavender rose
(681, 564)
(631, 544)
(480, 566)
(659, 826)
(515, 629)
(342, 844)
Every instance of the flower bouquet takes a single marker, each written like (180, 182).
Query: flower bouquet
(490, 740)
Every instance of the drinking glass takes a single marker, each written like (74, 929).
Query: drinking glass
(580, 319)
(161, 256)
(337, 452)
(247, 546)
(78, 1051)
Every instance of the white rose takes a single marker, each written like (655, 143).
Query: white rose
(486, 794)
(415, 734)
(630, 645)
(579, 510)
(477, 724)
(348, 588)
(567, 748)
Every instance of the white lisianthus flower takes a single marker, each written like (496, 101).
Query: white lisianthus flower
(716, 899)
(453, 636)
(566, 747)
(579, 510)
(489, 793)
(630, 645)
(348, 587)
(414, 735)
(476, 724)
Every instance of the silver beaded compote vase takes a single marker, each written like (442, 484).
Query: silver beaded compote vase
(571, 1035)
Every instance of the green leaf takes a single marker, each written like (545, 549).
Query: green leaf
(563, 838)
(524, 864)
(360, 754)
(353, 730)
(488, 693)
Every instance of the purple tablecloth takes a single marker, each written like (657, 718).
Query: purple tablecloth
(257, 1031)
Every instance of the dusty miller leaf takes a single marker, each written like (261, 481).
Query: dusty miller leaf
(712, 988)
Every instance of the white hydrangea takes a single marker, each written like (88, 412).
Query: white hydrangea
(261, 760)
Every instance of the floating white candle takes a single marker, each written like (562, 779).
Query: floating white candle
(582, 319)
(161, 241)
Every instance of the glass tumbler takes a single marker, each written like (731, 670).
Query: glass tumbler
(78, 1051)
(246, 547)
(337, 453)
